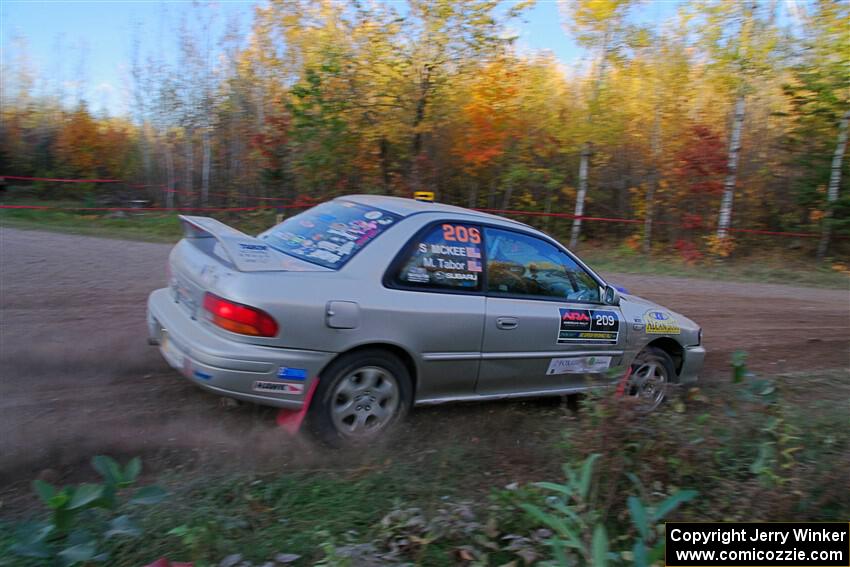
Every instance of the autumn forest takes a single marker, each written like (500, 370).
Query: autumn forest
(723, 119)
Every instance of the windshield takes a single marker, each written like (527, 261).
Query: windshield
(329, 234)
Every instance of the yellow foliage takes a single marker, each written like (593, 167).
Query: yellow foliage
(720, 247)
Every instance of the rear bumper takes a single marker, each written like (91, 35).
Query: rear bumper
(692, 361)
(237, 370)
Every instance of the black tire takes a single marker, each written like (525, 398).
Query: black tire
(339, 396)
(652, 374)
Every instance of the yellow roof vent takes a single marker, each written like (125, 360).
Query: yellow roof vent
(424, 196)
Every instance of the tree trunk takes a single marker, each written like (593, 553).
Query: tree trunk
(190, 162)
(582, 191)
(169, 172)
(473, 195)
(547, 207)
(385, 164)
(653, 182)
(506, 198)
(205, 172)
(725, 218)
(834, 183)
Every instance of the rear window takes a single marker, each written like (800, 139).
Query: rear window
(331, 233)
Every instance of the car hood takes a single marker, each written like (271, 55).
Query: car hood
(656, 319)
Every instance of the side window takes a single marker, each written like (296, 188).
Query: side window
(519, 264)
(446, 256)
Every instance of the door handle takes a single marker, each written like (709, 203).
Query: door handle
(507, 323)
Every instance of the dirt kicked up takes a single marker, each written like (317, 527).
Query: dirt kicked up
(77, 377)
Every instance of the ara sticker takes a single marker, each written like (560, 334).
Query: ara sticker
(287, 373)
(279, 388)
(578, 365)
(661, 323)
(588, 326)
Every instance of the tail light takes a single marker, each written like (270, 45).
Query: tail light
(238, 318)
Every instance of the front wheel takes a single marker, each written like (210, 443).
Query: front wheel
(359, 398)
(652, 373)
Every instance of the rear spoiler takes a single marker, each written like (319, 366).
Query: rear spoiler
(247, 253)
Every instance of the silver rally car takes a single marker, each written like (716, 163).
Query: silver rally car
(364, 306)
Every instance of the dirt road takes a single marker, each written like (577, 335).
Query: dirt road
(78, 379)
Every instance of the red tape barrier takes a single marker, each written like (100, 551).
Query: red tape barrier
(20, 178)
(293, 206)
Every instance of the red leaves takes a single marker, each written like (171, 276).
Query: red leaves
(701, 163)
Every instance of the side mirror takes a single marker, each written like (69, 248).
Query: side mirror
(610, 295)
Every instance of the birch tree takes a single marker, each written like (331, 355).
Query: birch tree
(600, 26)
(740, 38)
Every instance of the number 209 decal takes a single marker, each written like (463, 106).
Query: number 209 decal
(460, 233)
(588, 326)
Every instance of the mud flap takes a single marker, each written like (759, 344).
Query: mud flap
(621, 387)
(291, 420)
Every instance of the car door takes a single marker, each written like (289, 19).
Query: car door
(436, 288)
(545, 328)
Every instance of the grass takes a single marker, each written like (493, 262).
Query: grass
(777, 267)
(147, 226)
(400, 496)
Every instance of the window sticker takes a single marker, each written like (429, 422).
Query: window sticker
(329, 234)
(591, 326)
(661, 323)
(447, 256)
(578, 365)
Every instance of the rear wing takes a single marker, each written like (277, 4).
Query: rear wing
(246, 253)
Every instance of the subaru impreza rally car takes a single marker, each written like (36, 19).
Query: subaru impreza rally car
(364, 306)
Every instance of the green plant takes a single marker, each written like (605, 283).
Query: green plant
(83, 517)
(573, 516)
(647, 520)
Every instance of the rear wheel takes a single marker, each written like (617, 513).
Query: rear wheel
(652, 374)
(359, 398)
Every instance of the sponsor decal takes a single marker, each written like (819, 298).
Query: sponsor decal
(288, 373)
(660, 323)
(329, 246)
(578, 365)
(202, 375)
(325, 255)
(253, 247)
(588, 326)
(418, 275)
(279, 388)
(254, 253)
(372, 215)
(307, 223)
(457, 276)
